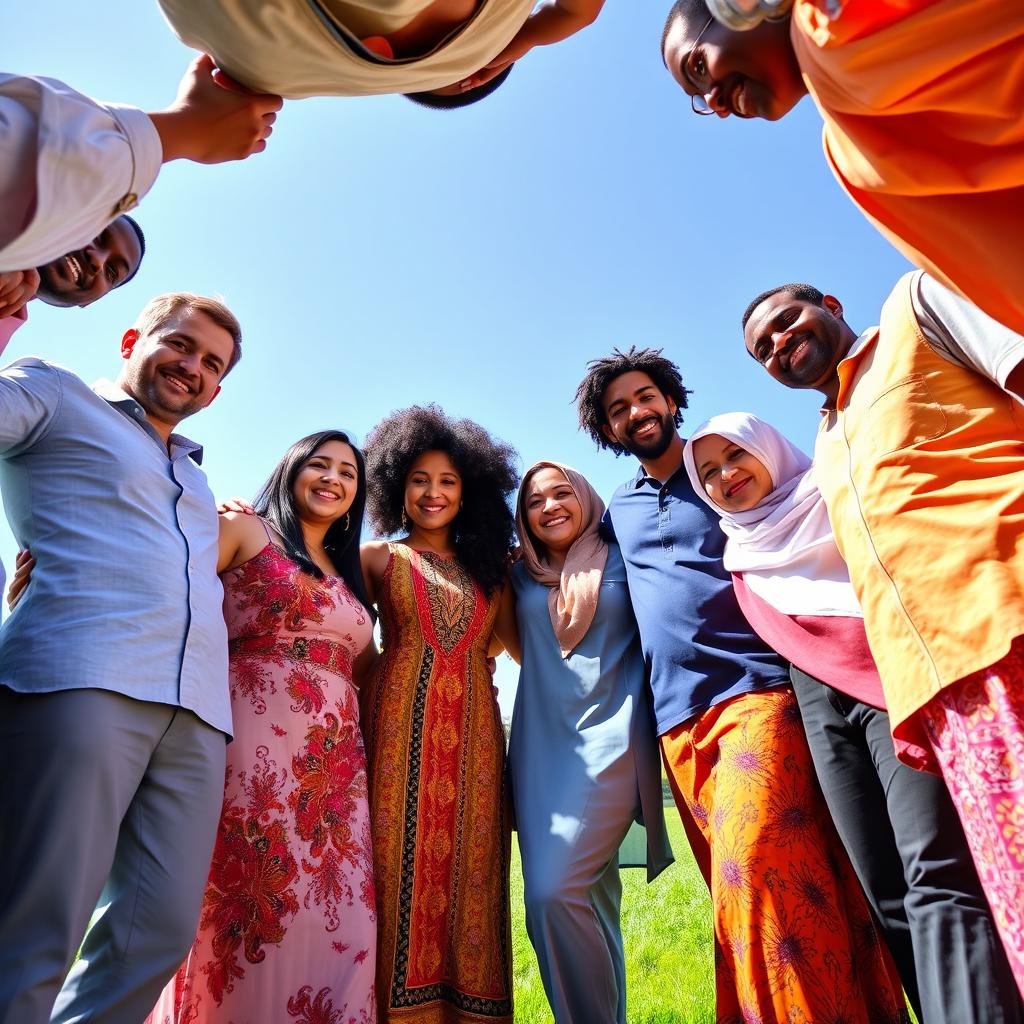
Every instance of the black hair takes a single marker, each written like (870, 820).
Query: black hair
(484, 527)
(142, 245)
(684, 9)
(601, 372)
(276, 503)
(460, 99)
(804, 292)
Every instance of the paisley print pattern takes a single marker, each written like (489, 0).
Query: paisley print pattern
(436, 751)
(976, 729)
(794, 938)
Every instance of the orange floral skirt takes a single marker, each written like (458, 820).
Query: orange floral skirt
(795, 941)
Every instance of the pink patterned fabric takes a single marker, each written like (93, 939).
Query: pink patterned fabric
(288, 928)
(976, 728)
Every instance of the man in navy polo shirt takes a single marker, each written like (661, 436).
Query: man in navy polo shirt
(728, 723)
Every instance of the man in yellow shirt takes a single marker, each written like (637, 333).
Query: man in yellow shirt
(922, 104)
(920, 462)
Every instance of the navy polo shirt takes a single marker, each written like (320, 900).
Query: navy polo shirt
(699, 647)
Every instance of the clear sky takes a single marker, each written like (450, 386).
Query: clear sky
(379, 254)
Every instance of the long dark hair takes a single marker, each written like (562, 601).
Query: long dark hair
(276, 504)
(484, 527)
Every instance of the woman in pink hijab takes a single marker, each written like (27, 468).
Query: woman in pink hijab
(583, 757)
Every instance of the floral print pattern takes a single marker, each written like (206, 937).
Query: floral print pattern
(794, 938)
(287, 930)
(976, 730)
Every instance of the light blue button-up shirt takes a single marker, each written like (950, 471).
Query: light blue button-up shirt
(124, 594)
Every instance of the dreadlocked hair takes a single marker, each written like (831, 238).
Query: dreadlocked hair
(601, 372)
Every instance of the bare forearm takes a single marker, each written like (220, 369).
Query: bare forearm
(559, 19)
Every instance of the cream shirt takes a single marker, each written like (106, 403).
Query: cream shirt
(68, 166)
(301, 48)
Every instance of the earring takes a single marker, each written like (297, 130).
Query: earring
(348, 521)
(405, 519)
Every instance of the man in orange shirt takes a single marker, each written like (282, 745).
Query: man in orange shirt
(920, 463)
(922, 104)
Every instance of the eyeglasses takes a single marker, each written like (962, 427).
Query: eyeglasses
(698, 103)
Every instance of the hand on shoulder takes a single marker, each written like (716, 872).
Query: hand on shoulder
(242, 536)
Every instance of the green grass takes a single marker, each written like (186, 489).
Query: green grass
(667, 931)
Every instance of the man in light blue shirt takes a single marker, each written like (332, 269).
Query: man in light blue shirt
(113, 671)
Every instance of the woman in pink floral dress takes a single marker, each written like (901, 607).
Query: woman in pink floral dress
(288, 929)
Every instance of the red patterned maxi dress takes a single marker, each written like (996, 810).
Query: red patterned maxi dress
(436, 758)
(287, 932)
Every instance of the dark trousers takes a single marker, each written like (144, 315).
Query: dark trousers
(904, 838)
(108, 800)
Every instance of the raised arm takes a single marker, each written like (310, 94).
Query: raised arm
(69, 165)
(550, 23)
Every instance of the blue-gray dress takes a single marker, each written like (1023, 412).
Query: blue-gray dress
(583, 761)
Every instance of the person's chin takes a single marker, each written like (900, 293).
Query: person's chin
(650, 448)
(775, 108)
(55, 297)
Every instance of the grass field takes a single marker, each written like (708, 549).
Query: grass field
(667, 930)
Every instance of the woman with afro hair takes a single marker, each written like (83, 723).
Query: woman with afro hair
(434, 741)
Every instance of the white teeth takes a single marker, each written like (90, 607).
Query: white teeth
(175, 382)
(75, 267)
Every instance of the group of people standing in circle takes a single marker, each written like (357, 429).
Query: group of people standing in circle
(356, 864)
(827, 655)
(361, 864)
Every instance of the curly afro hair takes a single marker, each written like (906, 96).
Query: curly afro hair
(488, 467)
(601, 372)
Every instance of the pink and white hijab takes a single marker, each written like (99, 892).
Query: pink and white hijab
(783, 547)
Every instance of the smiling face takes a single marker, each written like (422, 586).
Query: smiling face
(554, 515)
(733, 479)
(639, 416)
(325, 485)
(433, 491)
(175, 369)
(84, 275)
(748, 74)
(799, 343)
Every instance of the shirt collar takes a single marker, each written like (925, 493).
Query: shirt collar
(642, 477)
(849, 365)
(121, 400)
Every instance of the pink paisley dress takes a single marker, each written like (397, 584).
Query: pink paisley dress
(288, 929)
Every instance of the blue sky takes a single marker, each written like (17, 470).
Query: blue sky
(379, 254)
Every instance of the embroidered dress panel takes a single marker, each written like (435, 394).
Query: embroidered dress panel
(436, 757)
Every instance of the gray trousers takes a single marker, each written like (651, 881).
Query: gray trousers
(573, 894)
(908, 849)
(104, 801)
